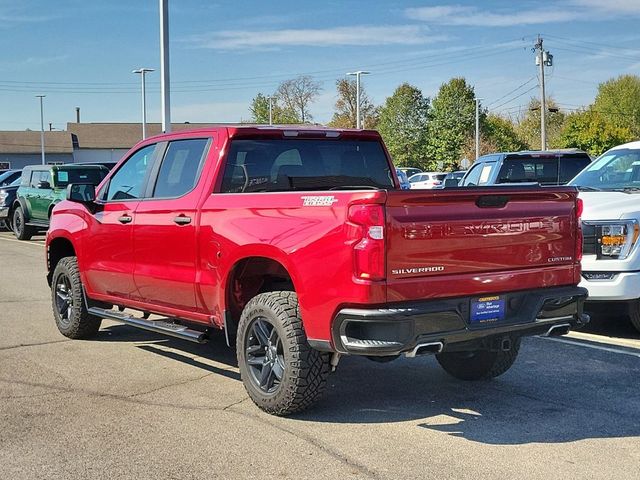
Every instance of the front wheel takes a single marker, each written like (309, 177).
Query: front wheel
(69, 309)
(280, 371)
(20, 228)
(479, 364)
(634, 314)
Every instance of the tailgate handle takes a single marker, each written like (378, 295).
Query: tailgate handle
(492, 201)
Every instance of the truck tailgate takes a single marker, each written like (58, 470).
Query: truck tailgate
(456, 242)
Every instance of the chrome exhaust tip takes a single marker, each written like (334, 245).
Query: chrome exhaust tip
(558, 330)
(430, 348)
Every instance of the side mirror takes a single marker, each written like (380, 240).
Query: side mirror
(81, 192)
(450, 182)
(44, 185)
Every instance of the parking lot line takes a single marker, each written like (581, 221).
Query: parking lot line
(23, 242)
(595, 347)
(618, 342)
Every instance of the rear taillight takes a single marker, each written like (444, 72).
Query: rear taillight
(579, 237)
(368, 252)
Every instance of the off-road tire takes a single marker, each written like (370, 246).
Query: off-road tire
(20, 229)
(305, 370)
(479, 364)
(634, 314)
(74, 322)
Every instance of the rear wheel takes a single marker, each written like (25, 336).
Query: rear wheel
(280, 371)
(69, 309)
(634, 314)
(20, 228)
(479, 364)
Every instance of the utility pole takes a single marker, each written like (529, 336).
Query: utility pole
(164, 66)
(143, 71)
(478, 127)
(357, 75)
(270, 110)
(41, 127)
(543, 58)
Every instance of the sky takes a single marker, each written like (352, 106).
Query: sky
(81, 53)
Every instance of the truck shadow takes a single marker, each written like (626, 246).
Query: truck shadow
(611, 321)
(555, 393)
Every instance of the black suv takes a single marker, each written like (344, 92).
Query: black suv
(549, 167)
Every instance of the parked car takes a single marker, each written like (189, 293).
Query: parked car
(452, 179)
(404, 181)
(409, 171)
(298, 244)
(427, 179)
(610, 189)
(552, 167)
(8, 177)
(41, 188)
(7, 198)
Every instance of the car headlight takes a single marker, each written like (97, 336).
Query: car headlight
(3, 197)
(616, 238)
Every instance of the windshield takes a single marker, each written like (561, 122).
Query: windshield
(614, 170)
(16, 182)
(6, 177)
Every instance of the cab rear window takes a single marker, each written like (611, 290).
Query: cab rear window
(93, 176)
(261, 165)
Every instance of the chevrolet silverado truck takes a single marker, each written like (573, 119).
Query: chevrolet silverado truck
(610, 189)
(299, 244)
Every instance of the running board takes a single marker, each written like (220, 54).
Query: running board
(163, 326)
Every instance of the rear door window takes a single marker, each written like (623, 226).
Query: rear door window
(180, 167)
(298, 165)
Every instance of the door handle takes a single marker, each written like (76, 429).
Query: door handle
(125, 219)
(182, 219)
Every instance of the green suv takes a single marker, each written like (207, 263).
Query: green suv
(41, 188)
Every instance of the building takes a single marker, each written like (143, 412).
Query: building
(108, 142)
(81, 142)
(19, 149)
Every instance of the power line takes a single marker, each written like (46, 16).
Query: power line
(516, 97)
(512, 91)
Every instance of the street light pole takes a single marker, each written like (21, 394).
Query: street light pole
(478, 127)
(164, 65)
(357, 75)
(143, 71)
(41, 97)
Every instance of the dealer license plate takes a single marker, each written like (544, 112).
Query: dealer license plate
(487, 310)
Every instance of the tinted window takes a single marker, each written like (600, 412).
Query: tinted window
(127, 182)
(93, 176)
(7, 177)
(542, 170)
(283, 165)
(180, 168)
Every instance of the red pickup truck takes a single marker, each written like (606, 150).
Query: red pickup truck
(300, 245)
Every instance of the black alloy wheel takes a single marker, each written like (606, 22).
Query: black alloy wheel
(264, 355)
(64, 302)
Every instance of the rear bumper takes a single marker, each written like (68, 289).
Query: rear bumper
(391, 331)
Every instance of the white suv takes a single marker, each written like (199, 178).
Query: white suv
(610, 190)
(427, 179)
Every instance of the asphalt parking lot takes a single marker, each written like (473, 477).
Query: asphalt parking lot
(132, 404)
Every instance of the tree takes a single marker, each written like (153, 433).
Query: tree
(260, 111)
(345, 114)
(528, 127)
(497, 134)
(452, 122)
(403, 125)
(593, 132)
(618, 100)
(297, 94)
